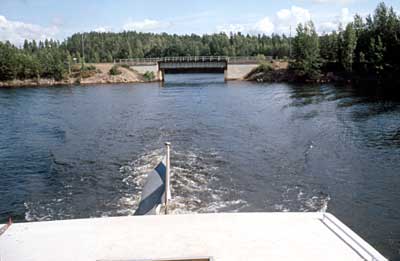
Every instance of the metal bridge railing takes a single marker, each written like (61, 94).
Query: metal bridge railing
(234, 59)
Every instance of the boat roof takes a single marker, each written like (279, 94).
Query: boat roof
(219, 237)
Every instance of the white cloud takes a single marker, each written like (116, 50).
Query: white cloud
(280, 23)
(16, 32)
(103, 29)
(232, 28)
(283, 14)
(343, 2)
(327, 27)
(333, 23)
(147, 25)
(264, 26)
(290, 17)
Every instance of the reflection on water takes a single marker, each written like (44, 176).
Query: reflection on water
(73, 152)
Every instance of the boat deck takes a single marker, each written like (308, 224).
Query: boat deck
(220, 237)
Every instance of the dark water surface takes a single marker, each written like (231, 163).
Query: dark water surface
(76, 152)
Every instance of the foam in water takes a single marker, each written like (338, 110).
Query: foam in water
(192, 177)
(193, 187)
(299, 198)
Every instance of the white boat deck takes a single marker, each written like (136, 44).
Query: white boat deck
(222, 237)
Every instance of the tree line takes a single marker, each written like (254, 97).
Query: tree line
(53, 59)
(46, 59)
(367, 47)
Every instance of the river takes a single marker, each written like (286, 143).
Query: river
(78, 152)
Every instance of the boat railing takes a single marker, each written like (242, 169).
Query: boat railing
(356, 242)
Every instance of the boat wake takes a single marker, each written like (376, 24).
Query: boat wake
(193, 179)
(300, 199)
(198, 185)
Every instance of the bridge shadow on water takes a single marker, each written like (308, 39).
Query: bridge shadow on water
(193, 79)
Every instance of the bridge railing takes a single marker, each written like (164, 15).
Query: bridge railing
(140, 61)
(234, 59)
(195, 59)
(249, 59)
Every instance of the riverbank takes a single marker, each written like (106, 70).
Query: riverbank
(278, 71)
(98, 74)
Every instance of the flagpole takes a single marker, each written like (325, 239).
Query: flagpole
(167, 176)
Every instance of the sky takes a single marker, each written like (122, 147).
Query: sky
(58, 19)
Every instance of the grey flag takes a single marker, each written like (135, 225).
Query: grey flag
(153, 191)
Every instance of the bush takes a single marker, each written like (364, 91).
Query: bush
(76, 68)
(87, 74)
(260, 58)
(263, 67)
(149, 76)
(114, 70)
(84, 71)
(125, 66)
(88, 68)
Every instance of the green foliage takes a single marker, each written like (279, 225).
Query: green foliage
(348, 43)
(126, 66)
(76, 68)
(107, 47)
(149, 76)
(329, 47)
(8, 65)
(263, 67)
(87, 74)
(48, 60)
(88, 68)
(114, 70)
(260, 58)
(306, 53)
(369, 48)
(88, 71)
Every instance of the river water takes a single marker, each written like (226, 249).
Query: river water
(78, 152)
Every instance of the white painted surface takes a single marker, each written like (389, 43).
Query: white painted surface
(142, 69)
(238, 71)
(234, 236)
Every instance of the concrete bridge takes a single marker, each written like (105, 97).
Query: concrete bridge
(234, 68)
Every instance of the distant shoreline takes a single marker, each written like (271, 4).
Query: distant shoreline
(100, 75)
(270, 72)
(278, 71)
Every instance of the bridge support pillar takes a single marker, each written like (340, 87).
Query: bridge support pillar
(161, 75)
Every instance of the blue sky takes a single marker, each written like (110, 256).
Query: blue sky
(38, 19)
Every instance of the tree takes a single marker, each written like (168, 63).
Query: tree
(329, 47)
(8, 66)
(306, 53)
(376, 56)
(348, 47)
